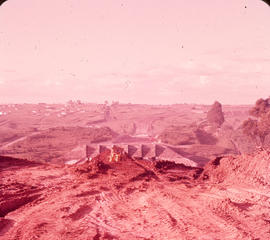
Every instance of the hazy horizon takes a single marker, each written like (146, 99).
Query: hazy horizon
(124, 103)
(152, 52)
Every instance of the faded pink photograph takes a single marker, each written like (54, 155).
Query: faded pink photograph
(132, 119)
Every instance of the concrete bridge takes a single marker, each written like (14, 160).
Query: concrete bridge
(149, 151)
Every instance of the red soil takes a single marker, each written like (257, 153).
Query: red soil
(102, 199)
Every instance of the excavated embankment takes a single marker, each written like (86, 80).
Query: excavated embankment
(114, 197)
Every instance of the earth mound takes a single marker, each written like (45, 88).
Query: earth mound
(251, 169)
(115, 197)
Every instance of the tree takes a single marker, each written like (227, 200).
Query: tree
(215, 115)
(261, 107)
(250, 127)
(258, 128)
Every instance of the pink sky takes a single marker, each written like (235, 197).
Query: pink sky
(131, 51)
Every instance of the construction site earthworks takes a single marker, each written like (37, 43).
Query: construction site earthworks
(134, 120)
(169, 172)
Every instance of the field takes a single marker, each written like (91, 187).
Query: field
(50, 132)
